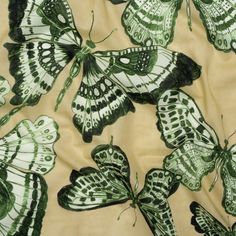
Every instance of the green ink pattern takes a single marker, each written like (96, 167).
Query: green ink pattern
(92, 188)
(4, 89)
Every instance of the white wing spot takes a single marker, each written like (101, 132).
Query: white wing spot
(61, 18)
(125, 60)
(46, 45)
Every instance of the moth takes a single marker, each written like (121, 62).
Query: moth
(47, 40)
(207, 224)
(26, 154)
(197, 150)
(4, 89)
(152, 22)
(92, 188)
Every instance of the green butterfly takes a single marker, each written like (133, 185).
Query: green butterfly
(207, 224)
(47, 40)
(92, 188)
(197, 148)
(152, 22)
(4, 89)
(26, 153)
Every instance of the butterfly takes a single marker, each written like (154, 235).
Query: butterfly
(197, 148)
(47, 40)
(207, 224)
(92, 188)
(26, 153)
(4, 89)
(152, 22)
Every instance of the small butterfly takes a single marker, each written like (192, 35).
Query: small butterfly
(26, 153)
(92, 188)
(207, 224)
(48, 40)
(4, 89)
(152, 22)
(197, 148)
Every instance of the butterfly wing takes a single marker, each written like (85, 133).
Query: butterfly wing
(228, 176)
(183, 127)
(91, 188)
(204, 222)
(151, 22)
(4, 89)
(219, 19)
(23, 201)
(29, 146)
(152, 201)
(118, 1)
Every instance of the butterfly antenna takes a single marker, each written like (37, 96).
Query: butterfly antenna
(135, 220)
(118, 218)
(8, 116)
(106, 37)
(230, 136)
(189, 14)
(91, 27)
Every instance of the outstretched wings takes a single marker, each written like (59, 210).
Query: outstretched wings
(92, 188)
(183, 127)
(204, 222)
(112, 78)
(152, 201)
(4, 89)
(151, 22)
(219, 19)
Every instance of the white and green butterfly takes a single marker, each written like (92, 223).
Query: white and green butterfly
(197, 148)
(92, 188)
(152, 22)
(26, 153)
(207, 224)
(48, 39)
(4, 89)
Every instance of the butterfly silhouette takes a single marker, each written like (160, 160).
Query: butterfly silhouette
(197, 148)
(92, 188)
(47, 40)
(207, 224)
(26, 153)
(4, 89)
(152, 22)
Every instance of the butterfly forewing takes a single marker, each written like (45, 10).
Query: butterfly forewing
(29, 146)
(180, 120)
(152, 201)
(219, 19)
(23, 202)
(151, 22)
(42, 20)
(146, 72)
(206, 223)
(4, 89)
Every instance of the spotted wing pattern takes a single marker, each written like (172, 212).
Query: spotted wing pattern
(91, 188)
(219, 19)
(151, 22)
(4, 89)
(152, 201)
(205, 223)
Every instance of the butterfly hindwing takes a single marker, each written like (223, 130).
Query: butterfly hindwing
(29, 146)
(152, 200)
(151, 22)
(23, 201)
(91, 188)
(206, 223)
(219, 19)
(4, 89)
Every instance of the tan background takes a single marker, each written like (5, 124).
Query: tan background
(136, 133)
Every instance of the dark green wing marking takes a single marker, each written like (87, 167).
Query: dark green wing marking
(4, 89)
(151, 22)
(219, 19)
(152, 201)
(205, 223)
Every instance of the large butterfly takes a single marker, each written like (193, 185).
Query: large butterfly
(152, 22)
(4, 89)
(207, 224)
(26, 153)
(197, 149)
(92, 188)
(48, 39)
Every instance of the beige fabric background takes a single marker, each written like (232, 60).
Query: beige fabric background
(136, 133)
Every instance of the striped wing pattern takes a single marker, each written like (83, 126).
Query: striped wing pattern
(4, 89)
